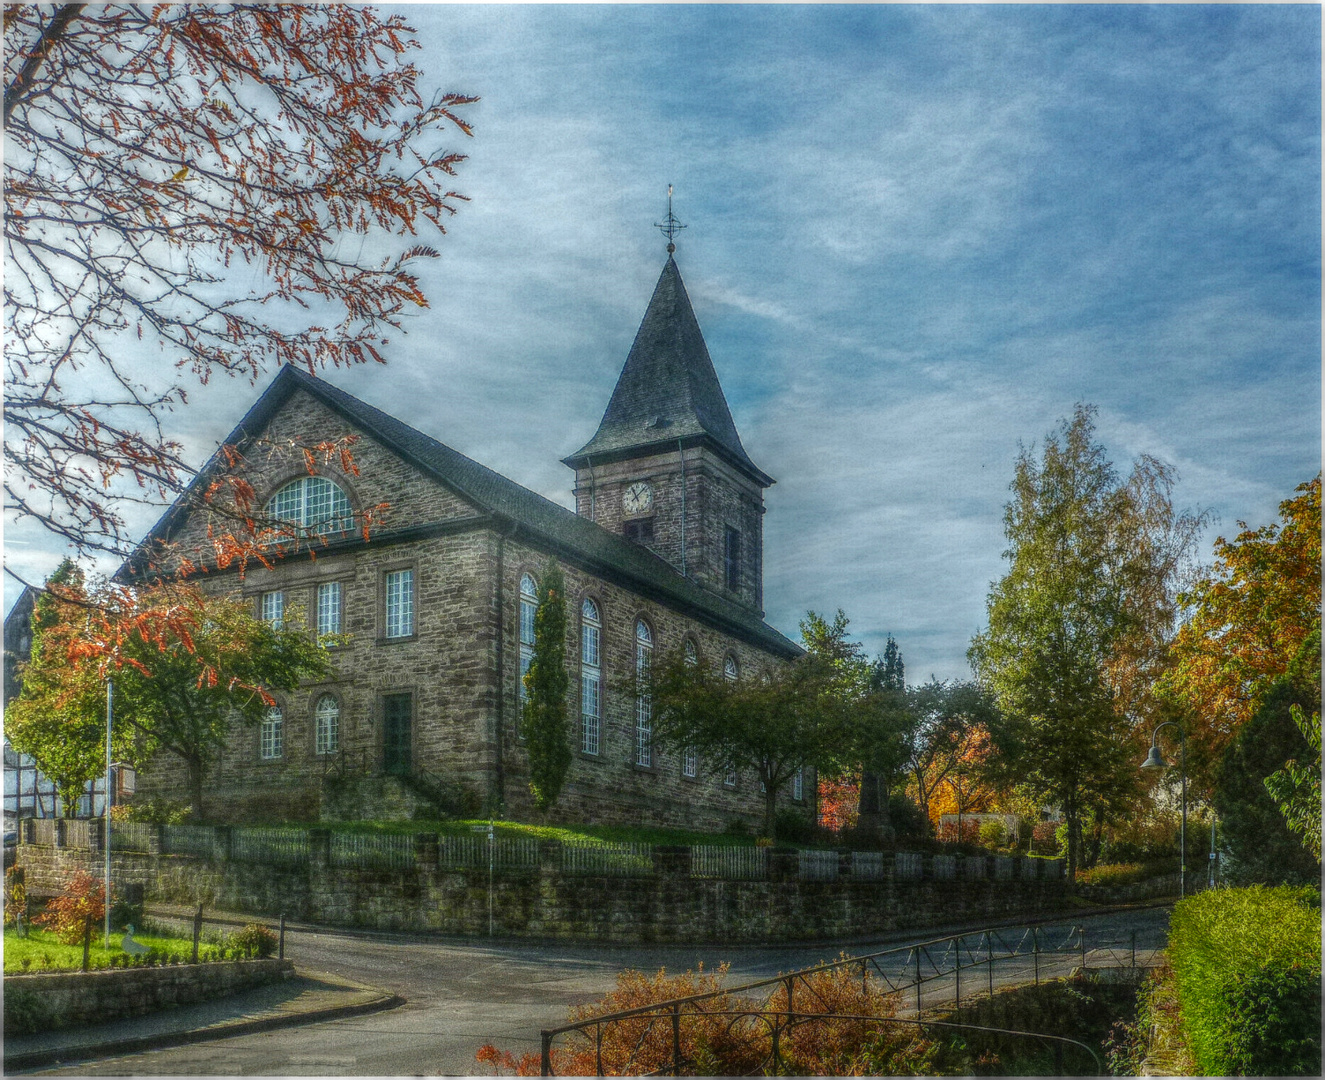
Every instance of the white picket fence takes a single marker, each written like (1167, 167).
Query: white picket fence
(733, 863)
(372, 850)
(624, 859)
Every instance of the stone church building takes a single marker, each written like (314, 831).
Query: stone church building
(433, 612)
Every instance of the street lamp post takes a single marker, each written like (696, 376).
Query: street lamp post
(1155, 760)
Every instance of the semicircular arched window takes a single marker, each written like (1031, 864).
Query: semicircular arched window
(313, 503)
(327, 714)
(730, 670)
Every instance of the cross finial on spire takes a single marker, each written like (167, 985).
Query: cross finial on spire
(670, 225)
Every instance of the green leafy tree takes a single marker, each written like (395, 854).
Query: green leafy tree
(180, 682)
(1296, 787)
(59, 719)
(773, 723)
(1258, 836)
(886, 729)
(1080, 624)
(546, 724)
(949, 728)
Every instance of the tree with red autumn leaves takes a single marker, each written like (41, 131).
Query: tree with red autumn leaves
(186, 667)
(196, 190)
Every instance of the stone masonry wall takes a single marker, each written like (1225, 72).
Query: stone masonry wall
(609, 788)
(450, 664)
(70, 999)
(545, 902)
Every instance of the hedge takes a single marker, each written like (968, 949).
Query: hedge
(1247, 966)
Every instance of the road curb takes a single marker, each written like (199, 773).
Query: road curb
(36, 1058)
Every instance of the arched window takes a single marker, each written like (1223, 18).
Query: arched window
(314, 504)
(327, 717)
(691, 652)
(591, 676)
(528, 609)
(270, 743)
(730, 670)
(643, 698)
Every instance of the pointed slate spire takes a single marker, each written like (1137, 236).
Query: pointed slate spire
(668, 389)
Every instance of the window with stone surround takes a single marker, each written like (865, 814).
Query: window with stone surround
(591, 676)
(528, 611)
(329, 599)
(689, 756)
(313, 504)
(270, 734)
(271, 608)
(732, 672)
(326, 715)
(731, 558)
(643, 696)
(398, 588)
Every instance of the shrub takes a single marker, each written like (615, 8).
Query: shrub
(16, 896)
(253, 940)
(1127, 873)
(717, 1041)
(26, 1012)
(1145, 837)
(83, 899)
(993, 833)
(1247, 967)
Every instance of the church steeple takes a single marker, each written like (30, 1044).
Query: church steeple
(666, 467)
(668, 389)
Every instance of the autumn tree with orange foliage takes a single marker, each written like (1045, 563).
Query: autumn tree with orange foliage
(185, 666)
(1249, 615)
(196, 190)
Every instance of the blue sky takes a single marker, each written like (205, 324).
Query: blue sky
(916, 237)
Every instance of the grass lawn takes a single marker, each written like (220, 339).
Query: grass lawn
(43, 952)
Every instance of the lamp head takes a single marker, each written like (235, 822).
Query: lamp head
(1154, 760)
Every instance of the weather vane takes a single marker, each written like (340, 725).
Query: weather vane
(670, 226)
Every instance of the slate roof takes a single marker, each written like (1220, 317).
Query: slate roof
(668, 389)
(563, 532)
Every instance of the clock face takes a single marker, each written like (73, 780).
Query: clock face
(638, 498)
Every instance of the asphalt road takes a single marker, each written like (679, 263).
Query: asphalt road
(461, 994)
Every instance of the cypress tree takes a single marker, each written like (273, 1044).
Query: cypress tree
(546, 725)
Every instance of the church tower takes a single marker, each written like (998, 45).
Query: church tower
(666, 467)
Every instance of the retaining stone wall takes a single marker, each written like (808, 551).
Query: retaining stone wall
(71, 998)
(544, 902)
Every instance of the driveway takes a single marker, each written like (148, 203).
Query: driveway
(462, 993)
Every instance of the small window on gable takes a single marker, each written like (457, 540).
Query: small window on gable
(313, 504)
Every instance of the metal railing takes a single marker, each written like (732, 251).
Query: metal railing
(131, 836)
(931, 970)
(199, 840)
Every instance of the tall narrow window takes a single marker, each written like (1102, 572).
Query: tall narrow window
(689, 757)
(643, 697)
(731, 558)
(400, 604)
(270, 744)
(328, 608)
(798, 785)
(273, 608)
(731, 672)
(327, 717)
(591, 681)
(528, 609)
